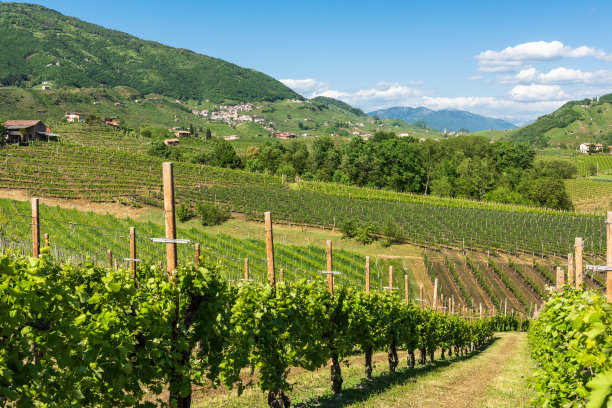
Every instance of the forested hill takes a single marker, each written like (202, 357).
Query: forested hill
(41, 45)
(587, 120)
(450, 119)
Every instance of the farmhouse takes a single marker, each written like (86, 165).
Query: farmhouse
(75, 117)
(231, 137)
(45, 87)
(171, 142)
(284, 135)
(584, 147)
(181, 133)
(22, 131)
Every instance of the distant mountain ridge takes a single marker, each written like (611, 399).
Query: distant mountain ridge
(450, 119)
(41, 45)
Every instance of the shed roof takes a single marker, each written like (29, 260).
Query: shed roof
(20, 124)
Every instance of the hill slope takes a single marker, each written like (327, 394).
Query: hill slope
(41, 45)
(451, 119)
(588, 120)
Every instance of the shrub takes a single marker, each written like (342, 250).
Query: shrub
(393, 232)
(211, 214)
(184, 213)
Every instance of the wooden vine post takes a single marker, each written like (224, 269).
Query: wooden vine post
(133, 251)
(506, 308)
(435, 295)
(390, 278)
(168, 178)
(609, 256)
(406, 288)
(281, 277)
(270, 249)
(421, 300)
(570, 269)
(46, 238)
(109, 256)
(560, 277)
(330, 276)
(35, 229)
(367, 275)
(578, 244)
(246, 269)
(196, 260)
(480, 314)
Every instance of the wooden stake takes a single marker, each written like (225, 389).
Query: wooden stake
(367, 275)
(168, 178)
(390, 278)
(435, 295)
(246, 269)
(506, 308)
(560, 278)
(421, 293)
(570, 269)
(35, 229)
(282, 276)
(109, 255)
(270, 249)
(578, 258)
(196, 249)
(133, 250)
(46, 238)
(330, 277)
(406, 288)
(480, 314)
(116, 264)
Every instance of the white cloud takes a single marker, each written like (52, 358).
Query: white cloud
(560, 75)
(475, 78)
(306, 86)
(537, 92)
(515, 58)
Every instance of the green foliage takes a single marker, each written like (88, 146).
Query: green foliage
(74, 53)
(326, 101)
(571, 342)
(534, 134)
(393, 232)
(211, 214)
(184, 212)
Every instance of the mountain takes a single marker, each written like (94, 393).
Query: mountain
(326, 101)
(450, 119)
(41, 45)
(587, 120)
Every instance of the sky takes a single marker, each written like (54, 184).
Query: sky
(514, 59)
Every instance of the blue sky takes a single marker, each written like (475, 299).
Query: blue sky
(510, 59)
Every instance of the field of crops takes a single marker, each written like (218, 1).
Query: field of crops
(56, 170)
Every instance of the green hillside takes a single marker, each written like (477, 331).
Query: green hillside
(588, 120)
(41, 45)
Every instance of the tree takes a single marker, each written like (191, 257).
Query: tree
(208, 134)
(224, 155)
(191, 131)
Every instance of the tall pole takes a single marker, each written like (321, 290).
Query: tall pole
(109, 255)
(168, 175)
(246, 269)
(46, 238)
(390, 278)
(560, 280)
(480, 314)
(421, 293)
(196, 255)
(435, 295)
(406, 288)
(570, 269)
(270, 249)
(367, 275)
(133, 250)
(506, 307)
(330, 277)
(35, 229)
(579, 271)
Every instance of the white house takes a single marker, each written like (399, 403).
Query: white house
(75, 117)
(584, 147)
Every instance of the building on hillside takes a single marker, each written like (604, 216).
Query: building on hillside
(171, 142)
(585, 147)
(23, 131)
(181, 133)
(284, 135)
(75, 117)
(231, 137)
(45, 87)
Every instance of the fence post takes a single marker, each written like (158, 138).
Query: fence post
(133, 250)
(578, 258)
(270, 249)
(560, 280)
(421, 295)
(281, 276)
(480, 314)
(506, 308)
(46, 238)
(109, 255)
(435, 295)
(197, 255)
(406, 288)
(35, 229)
(168, 178)
(367, 275)
(330, 277)
(390, 278)
(246, 269)
(570, 269)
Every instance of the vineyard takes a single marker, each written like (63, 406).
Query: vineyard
(129, 335)
(117, 176)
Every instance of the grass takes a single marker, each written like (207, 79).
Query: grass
(474, 380)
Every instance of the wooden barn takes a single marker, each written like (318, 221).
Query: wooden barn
(23, 131)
